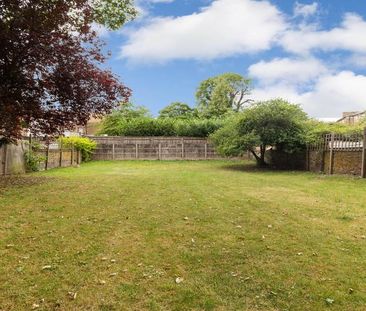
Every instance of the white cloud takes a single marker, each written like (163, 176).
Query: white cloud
(292, 70)
(350, 36)
(225, 28)
(333, 94)
(305, 10)
(328, 94)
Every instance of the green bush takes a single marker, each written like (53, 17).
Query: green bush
(113, 126)
(85, 145)
(32, 158)
(316, 130)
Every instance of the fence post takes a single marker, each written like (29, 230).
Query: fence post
(331, 155)
(206, 151)
(72, 155)
(113, 151)
(182, 148)
(60, 160)
(159, 154)
(137, 150)
(5, 159)
(47, 155)
(363, 169)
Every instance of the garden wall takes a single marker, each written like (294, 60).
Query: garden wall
(329, 162)
(343, 162)
(286, 161)
(153, 148)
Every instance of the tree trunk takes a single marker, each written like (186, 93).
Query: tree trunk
(260, 159)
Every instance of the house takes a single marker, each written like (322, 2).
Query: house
(351, 118)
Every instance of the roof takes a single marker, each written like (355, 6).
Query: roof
(352, 115)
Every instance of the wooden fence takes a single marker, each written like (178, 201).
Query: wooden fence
(153, 148)
(338, 154)
(12, 159)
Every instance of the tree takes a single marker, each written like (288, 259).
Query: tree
(177, 110)
(275, 123)
(49, 64)
(221, 94)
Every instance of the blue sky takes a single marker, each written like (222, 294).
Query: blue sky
(310, 53)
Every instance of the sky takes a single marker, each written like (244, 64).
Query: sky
(309, 53)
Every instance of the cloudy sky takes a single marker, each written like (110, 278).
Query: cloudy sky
(310, 53)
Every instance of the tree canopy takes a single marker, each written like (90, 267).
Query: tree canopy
(49, 64)
(221, 94)
(177, 110)
(275, 123)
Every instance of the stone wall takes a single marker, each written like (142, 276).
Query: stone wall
(344, 162)
(286, 161)
(315, 161)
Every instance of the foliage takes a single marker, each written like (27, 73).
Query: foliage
(50, 58)
(275, 123)
(221, 94)
(32, 157)
(197, 127)
(177, 110)
(113, 13)
(317, 129)
(229, 142)
(117, 126)
(128, 111)
(85, 145)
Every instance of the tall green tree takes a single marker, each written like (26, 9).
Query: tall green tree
(275, 123)
(221, 94)
(177, 110)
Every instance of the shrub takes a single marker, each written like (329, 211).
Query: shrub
(32, 158)
(275, 123)
(159, 127)
(85, 145)
(316, 130)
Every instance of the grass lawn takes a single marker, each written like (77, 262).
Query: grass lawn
(117, 235)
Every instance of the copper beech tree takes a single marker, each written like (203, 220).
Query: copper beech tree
(50, 64)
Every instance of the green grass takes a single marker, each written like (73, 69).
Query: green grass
(241, 238)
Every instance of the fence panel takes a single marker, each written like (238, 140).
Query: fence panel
(153, 148)
(338, 154)
(12, 160)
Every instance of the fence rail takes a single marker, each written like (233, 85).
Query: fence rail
(12, 159)
(153, 148)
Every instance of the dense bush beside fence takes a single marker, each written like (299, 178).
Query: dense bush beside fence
(159, 127)
(33, 158)
(85, 145)
(316, 130)
(271, 124)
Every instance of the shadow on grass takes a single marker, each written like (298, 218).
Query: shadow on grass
(253, 168)
(18, 181)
